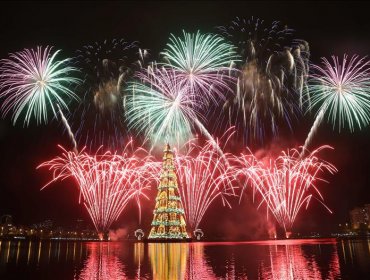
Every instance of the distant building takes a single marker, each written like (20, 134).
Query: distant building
(44, 230)
(45, 225)
(6, 225)
(6, 220)
(80, 224)
(367, 208)
(360, 217)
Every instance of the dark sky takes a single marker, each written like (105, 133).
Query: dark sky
(329, 27)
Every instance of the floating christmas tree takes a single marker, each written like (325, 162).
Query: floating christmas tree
(168, 221)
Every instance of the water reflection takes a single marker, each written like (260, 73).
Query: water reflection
(294, 259)
(138, 258)
(354, 258)
(293, 262)
(198, 267)
(102, 263)
(168, 260)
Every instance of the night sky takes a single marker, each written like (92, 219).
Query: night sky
(329, 27)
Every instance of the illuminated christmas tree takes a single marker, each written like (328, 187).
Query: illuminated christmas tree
(168, 221)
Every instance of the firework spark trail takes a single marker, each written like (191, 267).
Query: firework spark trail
(285, 184)
(203, 63)
(69, 130)
(313, 131)
(341, 90)
(32, 81)
(203, 178)
(107, 182)
(213, 142)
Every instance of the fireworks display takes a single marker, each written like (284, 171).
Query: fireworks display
(287, 183)
(341, 91)
(271, 79)
(161, 108)
(32, 82)
(203, 176)
(106, 67)
(107, 182)
(252, 79)
(203, 63)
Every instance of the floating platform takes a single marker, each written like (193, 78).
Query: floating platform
(166, 240)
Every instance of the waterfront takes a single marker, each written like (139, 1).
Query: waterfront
(286, 259)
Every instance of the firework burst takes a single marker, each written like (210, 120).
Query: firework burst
(340, 90)
(203, 62)
(32, 82)
(161, 107)
(98, 119)
(287, 183)
(204, 177)
(107, 182)
(271, 79)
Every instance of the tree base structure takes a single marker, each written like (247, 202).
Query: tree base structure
(159, 240)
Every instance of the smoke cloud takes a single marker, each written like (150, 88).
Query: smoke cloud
(118, 234)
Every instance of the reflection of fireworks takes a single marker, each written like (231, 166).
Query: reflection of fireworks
(98, 120)
(107, 182)
(272, 76)
(201, 62)
(341, 90)
(33, 82)
(102, 263)
(199, 268)
(203, 178)
(291, 262)
(286, 183)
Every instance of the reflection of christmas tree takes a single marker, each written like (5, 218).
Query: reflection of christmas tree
(169, 260)
(168, 221)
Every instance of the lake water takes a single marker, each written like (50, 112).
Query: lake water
(288, 259)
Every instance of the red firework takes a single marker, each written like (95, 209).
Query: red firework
(107, 182)
(205, 175)
(287, 183)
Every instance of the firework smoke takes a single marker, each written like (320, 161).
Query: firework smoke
(107, 66)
